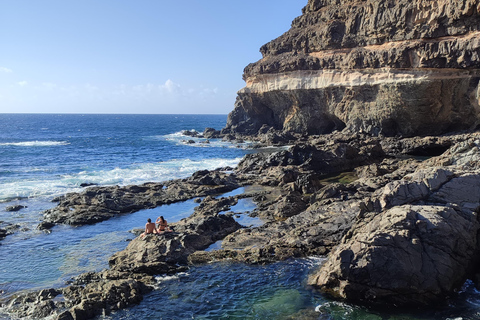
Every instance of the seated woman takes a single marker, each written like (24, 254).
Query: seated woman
(162, 225)
(149, 228)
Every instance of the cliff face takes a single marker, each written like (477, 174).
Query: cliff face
(408, 67)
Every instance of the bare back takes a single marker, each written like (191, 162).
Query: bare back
(150, 227)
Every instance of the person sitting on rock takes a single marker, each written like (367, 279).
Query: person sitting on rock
(149, 228)
(162, 225)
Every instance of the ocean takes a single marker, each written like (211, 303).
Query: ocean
(46, 155)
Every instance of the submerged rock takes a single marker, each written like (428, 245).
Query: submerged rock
(14, 208)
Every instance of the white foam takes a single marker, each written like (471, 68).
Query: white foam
(35, 143)
(180, 139)
(135, 174)
(166, 278)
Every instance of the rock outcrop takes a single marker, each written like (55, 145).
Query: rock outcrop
(418, 242)
(158, 254)
(403, 256)
(131, 273)
(380, 67)
(97, 204)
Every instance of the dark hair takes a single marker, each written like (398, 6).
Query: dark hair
(161, 217)
(149, 220)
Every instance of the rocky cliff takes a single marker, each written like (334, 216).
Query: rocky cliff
(382, 67)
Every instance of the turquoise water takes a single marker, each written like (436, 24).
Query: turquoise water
(42, 156)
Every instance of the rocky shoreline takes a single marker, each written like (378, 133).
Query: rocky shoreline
(357, 97)
(400, 225)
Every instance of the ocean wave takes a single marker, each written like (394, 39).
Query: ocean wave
(176, 276)
(35, 143)
(135, 174)
(181, 139)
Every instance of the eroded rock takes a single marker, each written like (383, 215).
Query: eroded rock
(379, 67)
(407, 255)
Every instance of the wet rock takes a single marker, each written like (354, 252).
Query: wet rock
(14, 208)
(97, 204)
(33, 305)
(8, 229)
(87, 184)
(103, 297)
(45, 225)
(191, 133)
(210, 133)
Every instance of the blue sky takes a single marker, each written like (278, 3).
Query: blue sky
(145, 56)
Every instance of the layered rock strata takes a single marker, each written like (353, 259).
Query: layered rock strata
(379, 67)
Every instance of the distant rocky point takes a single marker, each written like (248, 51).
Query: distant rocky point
(379, 67)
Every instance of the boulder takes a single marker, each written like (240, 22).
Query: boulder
(166, 252)
(407, 255)
(210, 133)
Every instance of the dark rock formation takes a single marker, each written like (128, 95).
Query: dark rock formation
(417, 243)
(156, 254)
(14, 208)
(97, 204)
(380, 67)
(7, 229)
(404, 256)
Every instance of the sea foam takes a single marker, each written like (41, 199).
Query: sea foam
(181, 139)
(35, 143)
(134, 174)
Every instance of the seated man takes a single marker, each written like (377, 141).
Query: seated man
(149, 228)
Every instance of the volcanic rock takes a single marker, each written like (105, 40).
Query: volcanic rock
(403, 256)
(14, 208)
(162, 253)
(97, 204)
(380, 67)
(416, 243)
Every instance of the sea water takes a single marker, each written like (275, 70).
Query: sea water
(46, 155)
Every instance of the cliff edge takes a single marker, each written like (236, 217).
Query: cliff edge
(381, 67)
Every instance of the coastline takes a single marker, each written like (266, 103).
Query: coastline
(303, 215)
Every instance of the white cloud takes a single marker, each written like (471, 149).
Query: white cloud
(22, 83)
(6, 70)
(170, 86)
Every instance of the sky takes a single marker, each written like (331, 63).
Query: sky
(135, 56)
